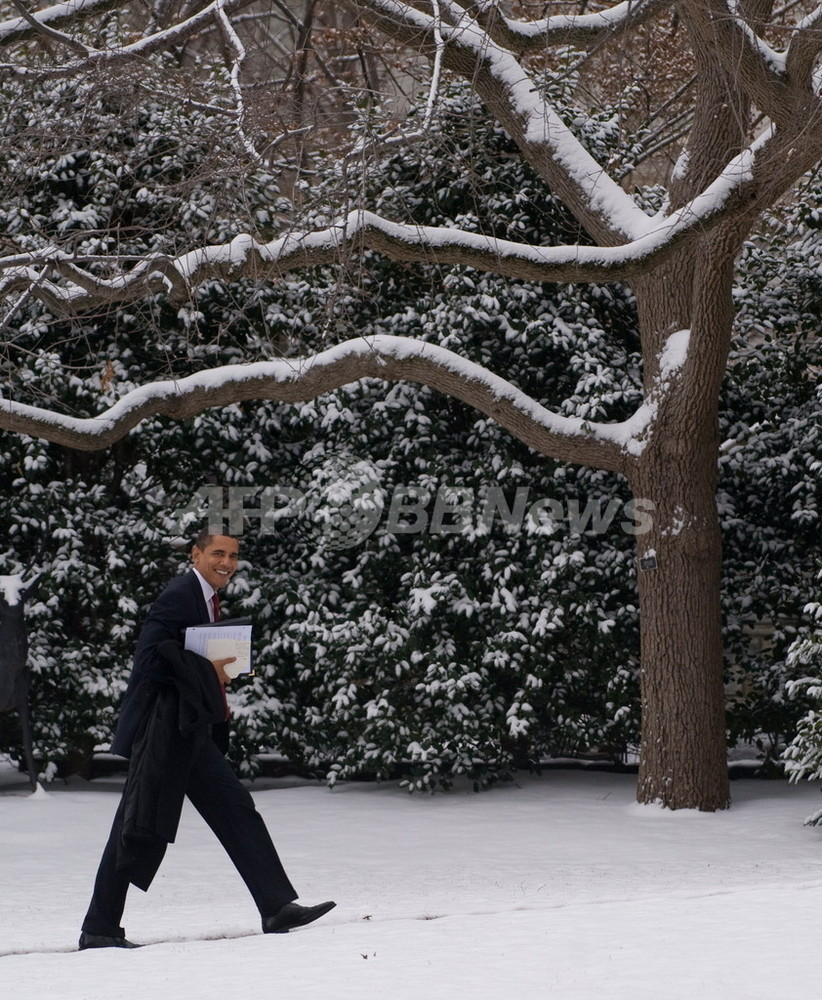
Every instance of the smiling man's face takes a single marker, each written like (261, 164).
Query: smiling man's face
(217, 562)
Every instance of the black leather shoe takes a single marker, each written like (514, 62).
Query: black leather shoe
(103, 941)
(293, 915)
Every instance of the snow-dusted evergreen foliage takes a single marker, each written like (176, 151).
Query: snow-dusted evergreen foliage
(769, 466)
(423, 653)
(98, 164)
(439, 652)
(803, 755)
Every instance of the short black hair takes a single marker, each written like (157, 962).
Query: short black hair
(205, 535)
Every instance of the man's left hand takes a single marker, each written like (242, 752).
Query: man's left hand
(219, 666)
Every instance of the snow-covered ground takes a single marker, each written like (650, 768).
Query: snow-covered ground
(557, 886)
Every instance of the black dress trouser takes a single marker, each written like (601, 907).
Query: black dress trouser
(226, 805)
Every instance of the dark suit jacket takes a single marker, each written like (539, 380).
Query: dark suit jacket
(179, 605)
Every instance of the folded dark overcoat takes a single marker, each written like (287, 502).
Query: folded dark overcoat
(178, 714)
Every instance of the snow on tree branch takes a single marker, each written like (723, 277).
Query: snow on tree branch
(515, 99)
(436, 75)
(756, 68)
(19, 28)
(239, 54)
(42, 28)
(29, 272)
(607, 446)
(142, 47)
(366, 145)
(803, 49)
(244, 256)
(563, 29)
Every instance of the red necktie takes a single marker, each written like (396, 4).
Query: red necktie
(215, 606)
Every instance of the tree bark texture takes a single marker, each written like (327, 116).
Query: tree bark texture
(683, 758)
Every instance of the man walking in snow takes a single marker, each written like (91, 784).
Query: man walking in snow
(173, 726)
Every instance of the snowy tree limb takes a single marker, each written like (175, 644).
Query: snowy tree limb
(756, 68)
(239, 54)
(581, 30)
(152, 275)
(608, 446)
(42, 28)
(20, 28)
(360, 230)
(804, 48)
(436, 74)
(514, 98)
(142, 47)
(366, 145)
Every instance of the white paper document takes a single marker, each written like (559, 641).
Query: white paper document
(221, 640)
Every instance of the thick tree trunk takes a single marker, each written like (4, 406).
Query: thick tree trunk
(683, 758)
